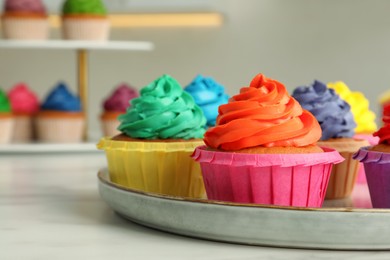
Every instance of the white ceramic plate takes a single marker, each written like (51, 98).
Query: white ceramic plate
(324, 228)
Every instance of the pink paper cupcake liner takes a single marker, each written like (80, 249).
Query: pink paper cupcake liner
(377, 168)
(373, 140)
(277, 179)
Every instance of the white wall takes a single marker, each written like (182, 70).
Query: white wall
(293, 41)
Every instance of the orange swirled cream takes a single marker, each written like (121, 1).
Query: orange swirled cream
(263, 114)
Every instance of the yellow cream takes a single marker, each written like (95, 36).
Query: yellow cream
(364, 117)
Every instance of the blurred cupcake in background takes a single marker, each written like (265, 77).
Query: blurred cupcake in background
(115, 105)
(208, 95)
(25, 20)
(337, 124)
(25, 105)
(60, 119)
(363, 116)
(6, 119)
(85, 20)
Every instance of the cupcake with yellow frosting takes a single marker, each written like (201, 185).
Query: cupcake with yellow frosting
(363, 116)
(337, 124)
(264, 150)
(159, 132)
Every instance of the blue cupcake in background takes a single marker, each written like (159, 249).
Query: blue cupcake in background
(61, 99)
(208, 95)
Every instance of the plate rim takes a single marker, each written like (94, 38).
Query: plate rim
(104, 173)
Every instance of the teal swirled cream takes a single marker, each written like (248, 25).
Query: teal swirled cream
(163, 111)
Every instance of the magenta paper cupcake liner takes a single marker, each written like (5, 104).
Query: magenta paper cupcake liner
(277, 179)
(377, 168)
(373, 140)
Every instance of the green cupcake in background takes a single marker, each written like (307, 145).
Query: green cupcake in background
(160, 131)
(6, 119)
(85, 20)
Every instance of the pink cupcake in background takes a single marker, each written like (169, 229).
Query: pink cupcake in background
(25, 20)
(24, 105)
(115, 105)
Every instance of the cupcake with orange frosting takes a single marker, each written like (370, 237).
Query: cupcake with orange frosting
(263, 150)
(25, 105)
(376, 160)
(363, 116)
(337, 124)
(6, 119)
(115, 105)
(25, 20)
(159, 132)
(60, 119)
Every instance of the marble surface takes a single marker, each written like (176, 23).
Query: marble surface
(50, 209)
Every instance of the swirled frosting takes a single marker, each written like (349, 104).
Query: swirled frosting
(61, 99)
(27, 6)
(94, 7)
(363, 116)
(384, 132)
(119, 100)
(263, 114)
(23, 100)
(209, 95)
(333, 113)
(5, 105)
(163, 111)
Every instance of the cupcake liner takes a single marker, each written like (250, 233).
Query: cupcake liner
(377, 168)
(277, 179)
(23, 129)
(60, 130)
(343, 177)
(157, 167)
(85, 29)
(6, 129)
(373, 140)
(109, 127)
(19, 28)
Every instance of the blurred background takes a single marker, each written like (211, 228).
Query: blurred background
(293, 41)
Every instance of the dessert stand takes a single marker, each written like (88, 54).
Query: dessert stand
(348, 224)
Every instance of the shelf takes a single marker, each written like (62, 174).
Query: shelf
(48, 148)
(78, 45)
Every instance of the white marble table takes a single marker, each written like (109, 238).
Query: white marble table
(50, 209)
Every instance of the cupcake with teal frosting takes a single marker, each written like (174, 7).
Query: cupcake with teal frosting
(337, 123)
(6, 119)
(85, 20)
(60, 119)
(209, 95)
(159, 132)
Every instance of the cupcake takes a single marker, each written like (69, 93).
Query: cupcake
(85, 20)
(60, 119)
(363, 116)
(24, 105)
(337, 124)
(25, 20)
(209, 95)
(159, 131)
(115, 105)
(6, 119)
(263, 150)
(376, 161)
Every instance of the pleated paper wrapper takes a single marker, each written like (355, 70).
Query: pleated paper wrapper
(24, 129)
(60, 129)
(377, 168)
(277, 179)
(6, 129)
(85, 29)
(343, 177)
(373, 140)
(157, 167)
(25, 28)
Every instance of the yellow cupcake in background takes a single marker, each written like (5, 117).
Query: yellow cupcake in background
(364, 117)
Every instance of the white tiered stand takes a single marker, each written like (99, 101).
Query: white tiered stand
(82, 48)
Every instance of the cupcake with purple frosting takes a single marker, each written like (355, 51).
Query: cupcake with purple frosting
(115, 105)
(337, 124)
(208, 95)
(60, 119)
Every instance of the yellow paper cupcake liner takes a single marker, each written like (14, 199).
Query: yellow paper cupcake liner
(158, 167)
